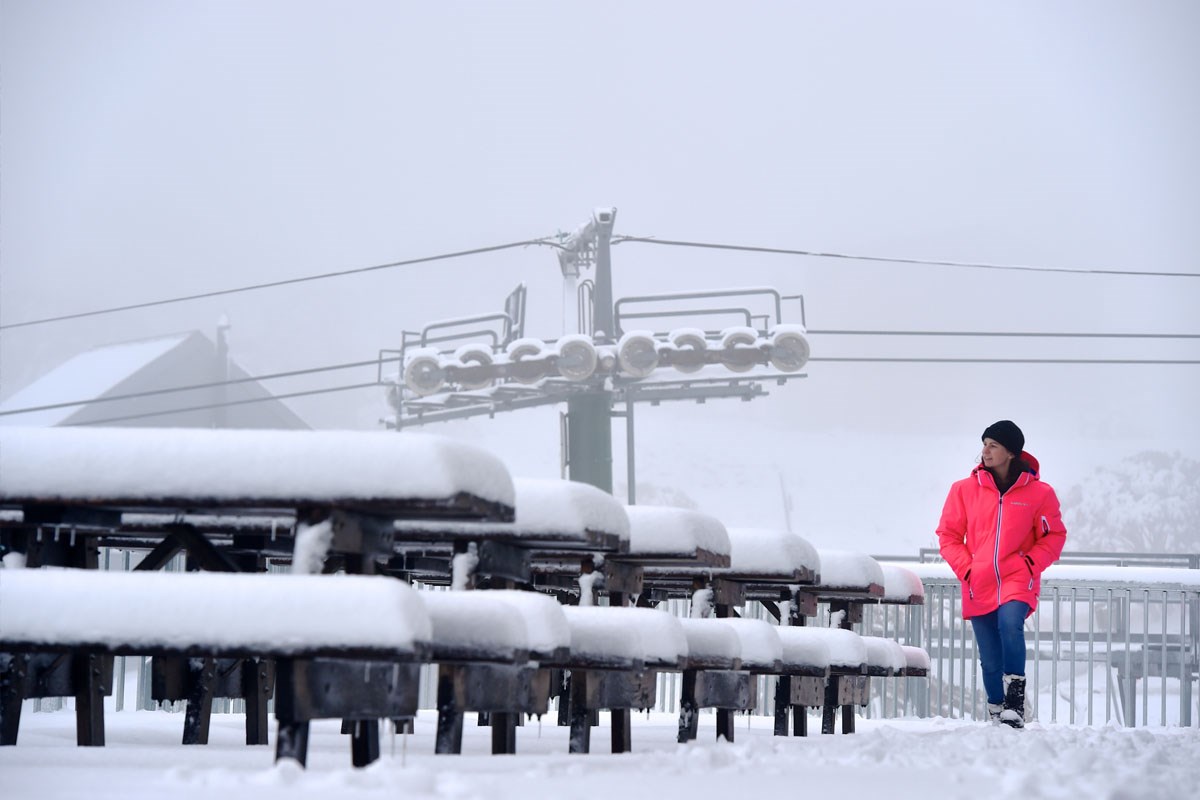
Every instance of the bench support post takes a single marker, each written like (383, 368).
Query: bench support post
(256, 689)
(89, 698)
(504, 732)
(725, 724)
(364, 742)
(579, 715)
(689, 716)
(14, 687)
(450, 718)
(783, 696)
(622, 730)
(830, 708)
(291, 741)
(799, 721)
(201, 674)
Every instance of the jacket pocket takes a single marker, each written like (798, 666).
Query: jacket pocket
(967, 583)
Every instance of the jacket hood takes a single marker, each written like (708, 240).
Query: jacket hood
(1031, 465)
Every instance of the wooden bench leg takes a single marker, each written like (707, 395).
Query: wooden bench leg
(201, 674)
(504, 733)
(14, 688)
(256, 688)
(580, 716)
(450, 719)
(562, 690)
(622, 730)
(89, 698)
(830, 708)
(364, 742)
(847, 719)
(291, 741)
(783, 697)
(799, 721)
(689, 717)
(725, 724)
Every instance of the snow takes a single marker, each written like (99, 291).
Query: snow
(663, 639)
(900, 584)
(803, 648)
(472, 625)
(587, 587)
(701, 605)
(946, 759)
(767, 552)
(78, 464)
(885, 653)
(915, 657)
(545, 508)
(846, 648)
(462, 568)
(711, 644)
(761, 646)
(85, 376)
(599, 638)
(567, 507)
(846, 569)
(222, 611)
(311, 547)
(545, 624)
(662, 530)
(612, 635)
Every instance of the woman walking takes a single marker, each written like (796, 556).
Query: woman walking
(1000, 529)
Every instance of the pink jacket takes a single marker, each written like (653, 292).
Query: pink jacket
(999, 546)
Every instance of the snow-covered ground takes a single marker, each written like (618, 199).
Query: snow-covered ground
(904, 758)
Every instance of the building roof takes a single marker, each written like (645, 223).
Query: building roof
(146, 365)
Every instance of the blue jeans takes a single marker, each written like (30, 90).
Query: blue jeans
(1000, 637)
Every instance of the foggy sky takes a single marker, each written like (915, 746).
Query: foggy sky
(154, 149)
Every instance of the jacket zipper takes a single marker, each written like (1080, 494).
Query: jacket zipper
(996, 548)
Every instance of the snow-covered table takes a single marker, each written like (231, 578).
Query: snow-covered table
(493, 649)
(65, 490)
(332, 659)
(556, 523)
(230, 498)
(616, 655)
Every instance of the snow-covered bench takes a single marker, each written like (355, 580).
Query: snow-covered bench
(490, 647)
(228, 498)
(726, 656)
(670, 551)
(345, 646)
(616, 654)
(558, 525)
(916, 661)
(803, 673)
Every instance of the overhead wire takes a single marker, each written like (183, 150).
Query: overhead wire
(198, 386)
(895, 260)
(278, 283)
(377, 362)
(550, 242)
(224, 404)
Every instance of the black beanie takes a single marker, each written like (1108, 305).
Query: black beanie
(1006, 433)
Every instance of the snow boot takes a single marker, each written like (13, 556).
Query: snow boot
(1014, 701)
(994, 710)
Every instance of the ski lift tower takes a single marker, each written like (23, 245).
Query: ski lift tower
(695, 346)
